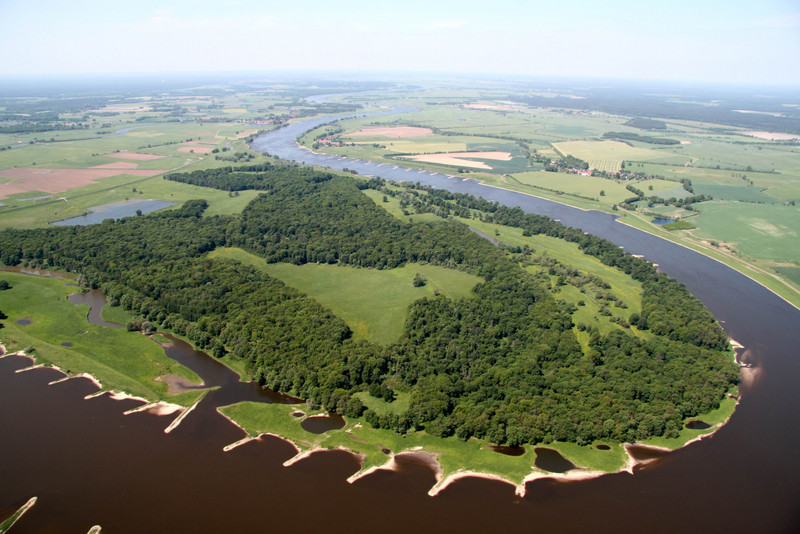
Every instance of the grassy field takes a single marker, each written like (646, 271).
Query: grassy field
(95, 349)
(392, 205)
(624, 287)
(758, 230)
(374, 303)
(715, 418)
(575, 184)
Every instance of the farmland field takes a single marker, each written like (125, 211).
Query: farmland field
(604, 151)
(760, 231)
(575, 184)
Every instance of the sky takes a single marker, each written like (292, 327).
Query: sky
(733, 41)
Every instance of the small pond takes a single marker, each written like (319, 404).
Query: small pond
(551, 460)
(662, 220)
(508, 451)
(322, 423)
(697, 425)
(115, 210)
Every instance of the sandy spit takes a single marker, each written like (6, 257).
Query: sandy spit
(174, 424)
(157, 408)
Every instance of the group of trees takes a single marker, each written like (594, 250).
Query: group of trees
(504, 364)
(630, 136)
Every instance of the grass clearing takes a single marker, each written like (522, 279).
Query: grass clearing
(381, 407)
(373, 302)
(625, 288)
(115, 314)
(120, 360)
(575, 184)
(392, 205)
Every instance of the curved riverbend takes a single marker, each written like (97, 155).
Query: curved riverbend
(765, 426)
(745, 478)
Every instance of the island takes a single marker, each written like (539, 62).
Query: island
(433, 322)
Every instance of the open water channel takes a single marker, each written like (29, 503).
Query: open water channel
(90, 464)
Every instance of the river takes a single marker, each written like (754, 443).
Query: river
(90, 464)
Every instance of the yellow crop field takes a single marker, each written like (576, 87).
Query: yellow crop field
(609, 165)
(403, 146)
(601, 151)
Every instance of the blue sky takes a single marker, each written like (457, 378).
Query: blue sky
(730, 41)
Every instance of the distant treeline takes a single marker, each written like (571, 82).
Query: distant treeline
(630, 136)
(646, 124)
(504, 365)
(631, 103)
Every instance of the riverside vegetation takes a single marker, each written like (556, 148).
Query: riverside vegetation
(504, 363)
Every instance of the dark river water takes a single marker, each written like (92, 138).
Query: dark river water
(90, 464)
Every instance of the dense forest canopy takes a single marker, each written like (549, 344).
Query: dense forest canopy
(504, 364)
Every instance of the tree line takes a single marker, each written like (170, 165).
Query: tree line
(504, 364)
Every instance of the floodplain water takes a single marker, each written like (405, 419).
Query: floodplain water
(115, 210)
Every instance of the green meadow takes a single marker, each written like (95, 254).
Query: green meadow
(625, 288)
(373, 302)
(615, 150)
(120, 360)
(392, 205)
(714, 419)
(575, 184)
(761, 231)
(452, 453)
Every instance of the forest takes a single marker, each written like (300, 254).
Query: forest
(504, 364)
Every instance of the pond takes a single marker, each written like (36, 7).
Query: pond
(320, 424)
(115, 210)
(662, 220)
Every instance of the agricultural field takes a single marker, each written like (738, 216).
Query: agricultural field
(737, 170)
(601, 155)
(662, 188)
(123, 148)
(758, 230)
(414, 144)
(594, 187)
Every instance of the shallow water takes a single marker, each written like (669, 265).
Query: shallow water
(319, 424)
(551, 460)
(662, 220)
(115, 210)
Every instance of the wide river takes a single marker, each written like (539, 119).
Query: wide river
(90, 464)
